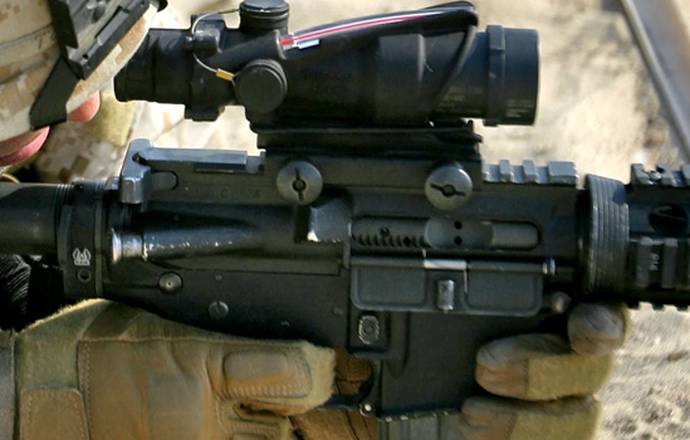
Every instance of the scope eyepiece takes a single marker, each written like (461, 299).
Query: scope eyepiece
(405, 69)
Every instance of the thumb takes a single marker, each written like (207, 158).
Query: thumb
(598, 329)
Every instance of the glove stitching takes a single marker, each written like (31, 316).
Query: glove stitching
(219, 415)
(84, 375)
(350, 422)
(219, 403)
(303, 375)
(243, 423)
(29, 404)
(251, 390)
(351, 426)
(219, 340)
(511, 427)
(50, 393)
(528, 383)
(81, 425)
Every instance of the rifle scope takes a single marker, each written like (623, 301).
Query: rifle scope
(407, 69)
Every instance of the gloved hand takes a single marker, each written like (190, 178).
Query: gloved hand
(106, 371)
(546, 382)
(350, 374)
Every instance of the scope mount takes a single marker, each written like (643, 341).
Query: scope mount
(460, 140)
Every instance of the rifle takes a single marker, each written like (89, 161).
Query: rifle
(369, 222)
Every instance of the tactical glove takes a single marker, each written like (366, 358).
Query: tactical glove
(350, 374)
(546, 382)
(106, 371)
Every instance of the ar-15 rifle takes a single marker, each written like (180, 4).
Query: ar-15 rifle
(369, 222)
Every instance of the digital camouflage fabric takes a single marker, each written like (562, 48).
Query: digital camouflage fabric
(96, 150)
(28, 52)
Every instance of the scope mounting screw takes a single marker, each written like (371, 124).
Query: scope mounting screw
(218, 310)
(170, 282)
(369, 329)
(300, 182)
(448, 187)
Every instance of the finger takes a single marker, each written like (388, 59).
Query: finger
(87, 110)
(287, 379)
(595, 329)
(539, 367)
(22, 147)
(350, 373)
(485, 418)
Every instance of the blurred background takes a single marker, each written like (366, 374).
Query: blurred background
(598, 108)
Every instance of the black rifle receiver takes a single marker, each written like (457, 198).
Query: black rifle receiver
(369, 222)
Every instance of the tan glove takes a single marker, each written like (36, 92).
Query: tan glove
(106, 371)
(350, 374)
(547, 382)
(537, 371)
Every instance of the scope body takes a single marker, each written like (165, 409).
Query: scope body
(432, 68)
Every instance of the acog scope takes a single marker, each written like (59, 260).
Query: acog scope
(410, 69)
